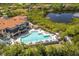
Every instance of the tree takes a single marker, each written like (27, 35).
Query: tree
(41, 49)
(13, 50)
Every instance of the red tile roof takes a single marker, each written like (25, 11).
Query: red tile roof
(12, 22)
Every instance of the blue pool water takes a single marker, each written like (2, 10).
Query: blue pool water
(34, 37)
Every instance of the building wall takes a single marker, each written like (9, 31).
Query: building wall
(18, 29)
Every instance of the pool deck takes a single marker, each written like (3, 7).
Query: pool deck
(51, 39)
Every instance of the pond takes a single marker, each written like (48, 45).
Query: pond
(62, 17)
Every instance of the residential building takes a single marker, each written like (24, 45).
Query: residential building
(12, 27)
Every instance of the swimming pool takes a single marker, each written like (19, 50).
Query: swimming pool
(34, 37)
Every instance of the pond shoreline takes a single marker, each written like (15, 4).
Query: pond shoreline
(62, 17)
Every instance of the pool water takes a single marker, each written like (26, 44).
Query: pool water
(34, 37)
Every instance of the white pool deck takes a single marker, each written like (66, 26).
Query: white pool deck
(52, 36)
(12, 40)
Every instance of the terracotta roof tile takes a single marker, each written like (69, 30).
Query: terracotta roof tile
(12, 22)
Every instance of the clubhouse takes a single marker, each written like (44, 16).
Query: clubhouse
(13, 26)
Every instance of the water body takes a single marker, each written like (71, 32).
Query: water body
(62, 17)
(34, 37)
